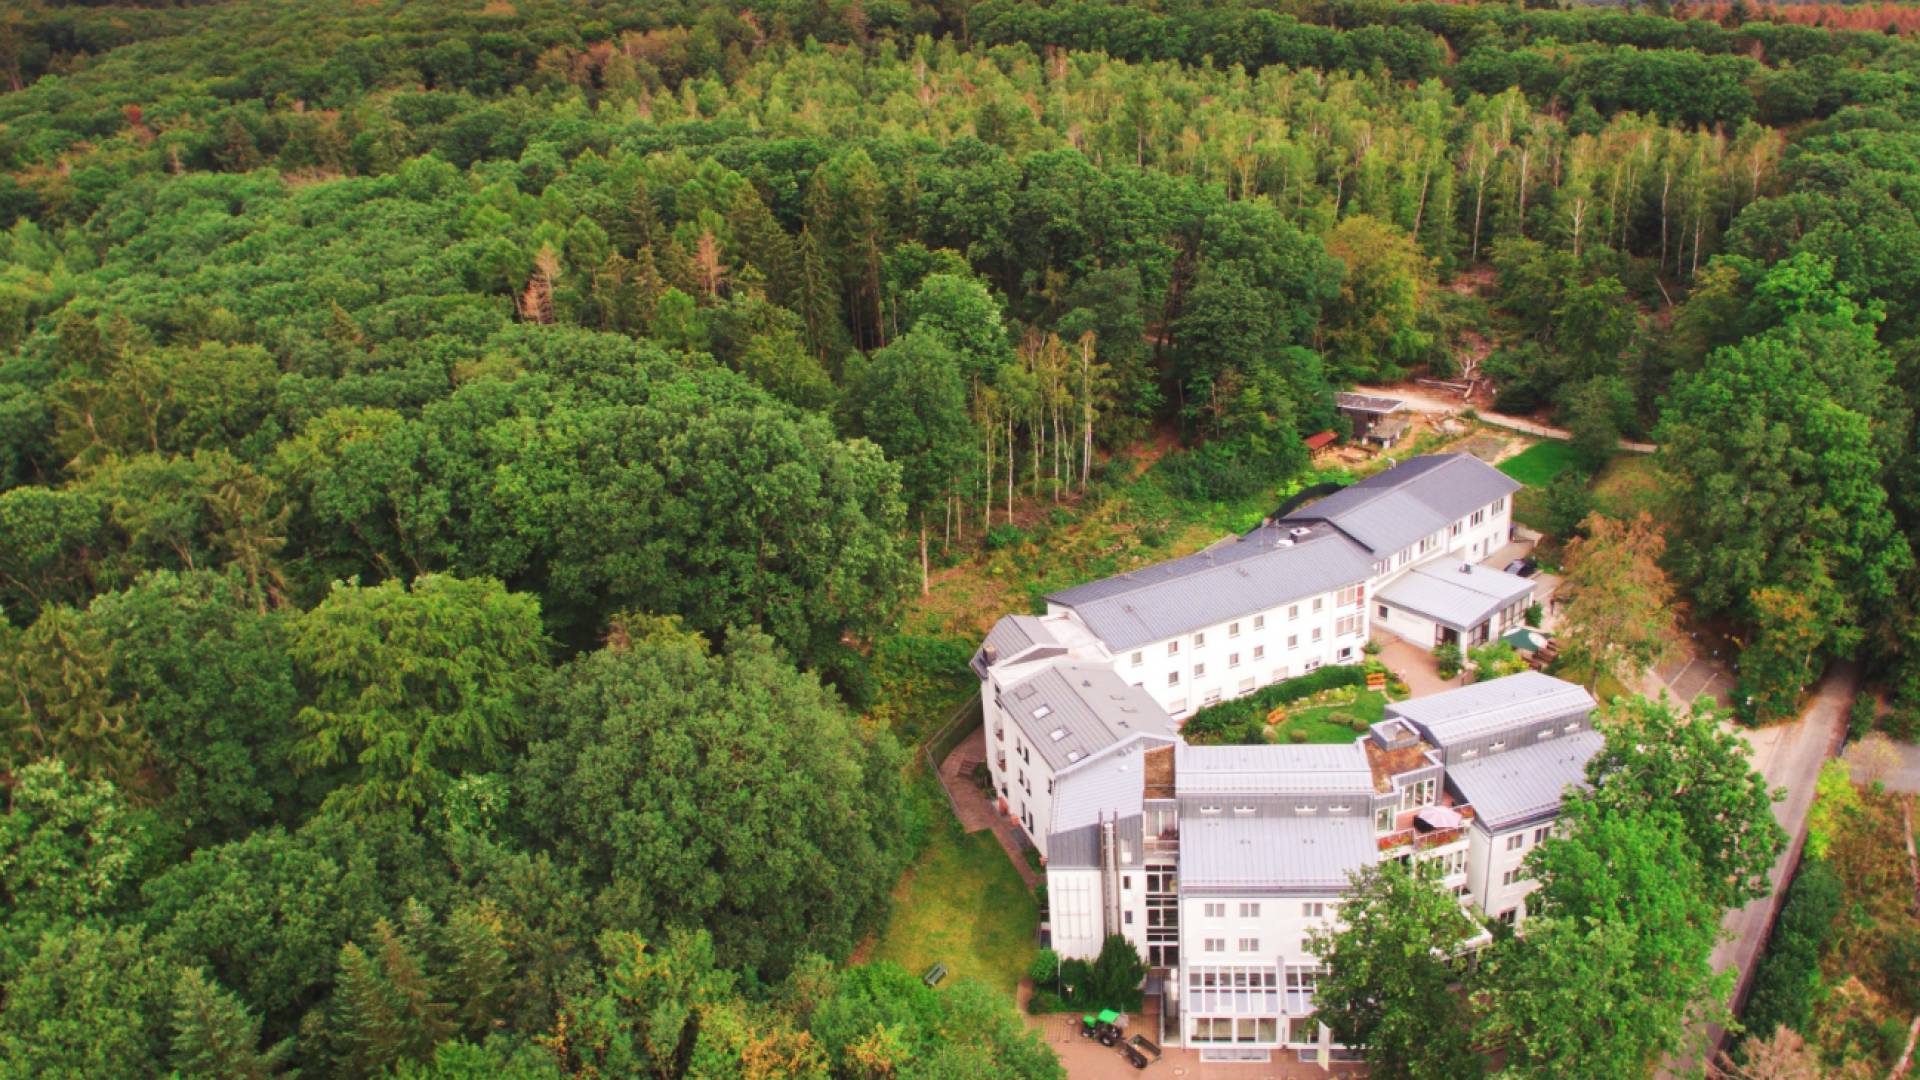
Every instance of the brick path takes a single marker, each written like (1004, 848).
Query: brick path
(975, 810)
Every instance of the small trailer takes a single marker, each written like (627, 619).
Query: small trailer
(1140, 1051)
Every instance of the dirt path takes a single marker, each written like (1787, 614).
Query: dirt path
(1433, 402)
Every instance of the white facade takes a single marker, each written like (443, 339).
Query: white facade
(1187, 672)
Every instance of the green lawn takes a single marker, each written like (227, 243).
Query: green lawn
(1321, 728)
(1537, 465)
(961, 904)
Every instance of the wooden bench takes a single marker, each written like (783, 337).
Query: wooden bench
(934, 975)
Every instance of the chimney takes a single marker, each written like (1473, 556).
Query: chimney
(991, 652)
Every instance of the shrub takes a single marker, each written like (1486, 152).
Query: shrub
(1234, 721)
(1783, 987)
(1076, 977)
(1534, 615)
(1860, 717)
(1360, 725)
(1298, 735)
(1117, 975)
(1447, 657)
(1045, 965)
(1371, 648)
(1005, 536)
(1045, 1001)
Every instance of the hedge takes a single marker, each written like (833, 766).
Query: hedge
(1783, 988)
(1229, 716)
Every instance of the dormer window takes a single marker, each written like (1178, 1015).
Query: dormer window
(1210, 810)
(1243, 809)
(1057, 734)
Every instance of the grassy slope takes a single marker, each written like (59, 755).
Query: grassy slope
(963, 905)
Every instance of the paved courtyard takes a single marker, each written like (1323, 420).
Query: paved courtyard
(1086, 1059)
(975, 810)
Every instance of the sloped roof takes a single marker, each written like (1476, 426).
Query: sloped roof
(1513, 787)
(1286, 853)
(1070, 712)
(1013, 637)
(1487, 708)
(1372, 403)
(1454, 592)
(1390, 510)
(1255, 572)
(1113, 783)
(1337, 768)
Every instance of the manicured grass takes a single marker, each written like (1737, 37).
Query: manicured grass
(962, 904)
(1537, 465)
(1321, 728)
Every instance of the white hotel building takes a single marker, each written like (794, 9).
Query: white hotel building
(1216, 861)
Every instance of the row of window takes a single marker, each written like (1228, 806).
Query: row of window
(1351, 595)
(1312, 909)
(1219, 945)
(1248, 809)
(1519, 840)
(1246, 1029)
(1542, 735)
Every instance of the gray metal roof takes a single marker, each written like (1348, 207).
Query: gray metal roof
(1080, 848)
(1338, 768)
(1011, 637)
(1110, 783)
(1367, 402)
(1513, 787)
(1305, 852)
(1390, 510)
(1486, 708)
(1454, 592)
(1070, 712)
(1256, 572)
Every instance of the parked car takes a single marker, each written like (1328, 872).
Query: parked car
(1523, 567)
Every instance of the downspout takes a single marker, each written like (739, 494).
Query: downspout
(1109, 877)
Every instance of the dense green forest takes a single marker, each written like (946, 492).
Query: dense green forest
(458, 461)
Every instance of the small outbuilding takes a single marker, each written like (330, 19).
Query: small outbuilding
(1366, 412)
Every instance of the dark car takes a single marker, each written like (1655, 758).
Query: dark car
(1523, 567)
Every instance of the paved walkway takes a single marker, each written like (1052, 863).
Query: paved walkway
(1789, 756)
(975, 810)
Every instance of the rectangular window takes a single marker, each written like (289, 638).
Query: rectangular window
(1509, 877)
(1249, 944)
(1346, 625)
(1516, 841)
(1212, 698)
(1259, 652)
(1455, 531)
(1139, 658)
(1233, 660)
(1383, 819)
(1316, 633)
(1249, 911)
(1243, 809)
(1200, 641)
(1293, 641)
(1499, 504)
(1216, 911)
(1199, 670)
(1380, 612)
(1478, 517)
(1305, 808)
(1293, 611)
(1246, 686)
(1213, 808)
(1173, 648)
(1318, 603)
(1510, 916)
(1259, 622)
(1173, 678)
(1542, 833)
(1233, 629)
(1313, 909)
(1216, 944)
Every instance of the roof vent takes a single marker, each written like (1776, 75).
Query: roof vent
(1076, 755)
(1057, 734)
(1283, 542)
(1298, 531)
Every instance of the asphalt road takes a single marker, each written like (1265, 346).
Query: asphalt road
(1789, 756)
